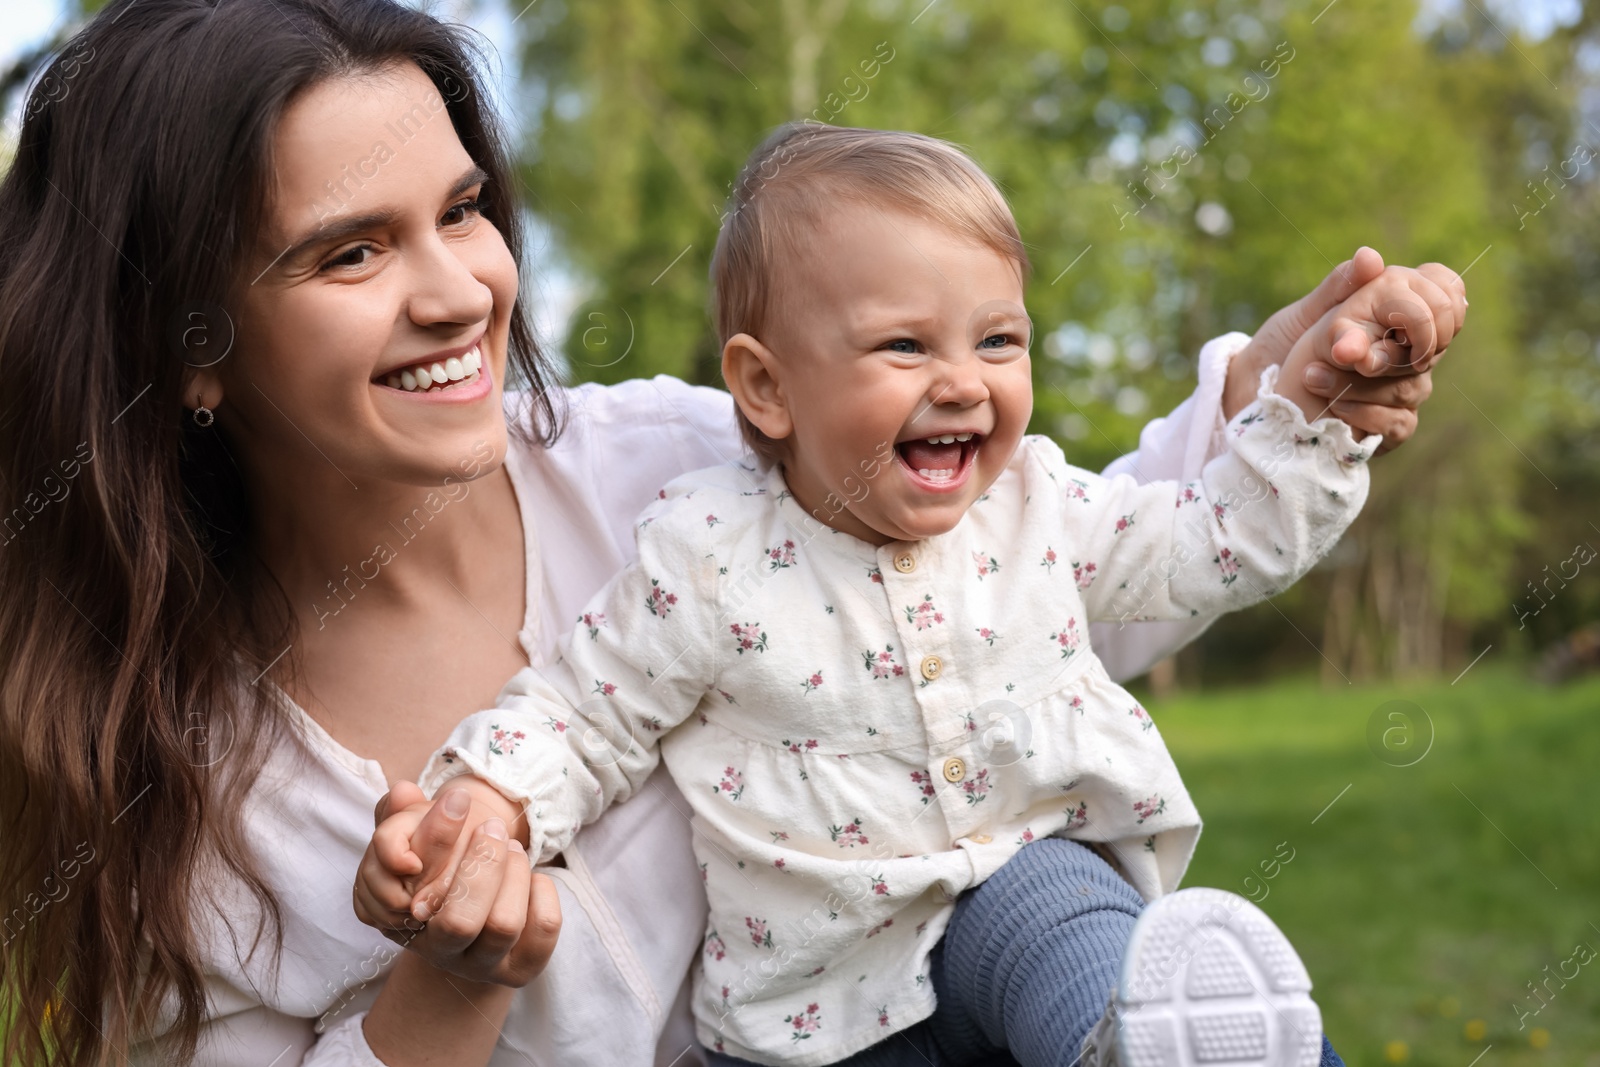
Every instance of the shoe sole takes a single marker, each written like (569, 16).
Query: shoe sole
(1209, 981)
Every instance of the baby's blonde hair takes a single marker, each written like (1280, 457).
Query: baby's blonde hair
(791, 179)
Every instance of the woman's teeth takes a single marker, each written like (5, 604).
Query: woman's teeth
(427, 375)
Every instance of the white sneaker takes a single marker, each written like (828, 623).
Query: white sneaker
(1207, 981)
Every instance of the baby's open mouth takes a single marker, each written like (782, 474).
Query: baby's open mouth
(437, 375)
(939, 458)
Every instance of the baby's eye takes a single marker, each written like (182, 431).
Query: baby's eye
(904, 344)
(997, 340)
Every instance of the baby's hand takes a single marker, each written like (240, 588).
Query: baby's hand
(1396, 326)
(418, 845)
(1400, 322)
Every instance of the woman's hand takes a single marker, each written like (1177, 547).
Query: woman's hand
(497, 921)
(1378, 333)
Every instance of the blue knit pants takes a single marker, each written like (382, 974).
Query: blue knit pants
(1025, 967)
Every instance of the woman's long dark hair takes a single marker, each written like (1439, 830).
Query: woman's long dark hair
(132, 613)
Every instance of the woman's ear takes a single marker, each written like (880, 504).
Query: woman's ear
(754, 378)
(202, 386)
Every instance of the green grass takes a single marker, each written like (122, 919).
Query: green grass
(1414, 914)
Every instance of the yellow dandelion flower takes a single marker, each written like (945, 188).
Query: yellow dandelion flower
(1476, 1029)
(1539, 1037)
(1397, 1052)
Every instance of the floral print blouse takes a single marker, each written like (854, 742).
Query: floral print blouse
(865, 731)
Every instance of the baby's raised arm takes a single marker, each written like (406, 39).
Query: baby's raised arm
(1260, 515)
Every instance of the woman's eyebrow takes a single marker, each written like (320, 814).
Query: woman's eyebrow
(348, 226)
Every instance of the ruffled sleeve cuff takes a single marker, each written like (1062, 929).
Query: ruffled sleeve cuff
(1328, 432)
(530, 767)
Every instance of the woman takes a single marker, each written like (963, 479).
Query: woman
(257, 562)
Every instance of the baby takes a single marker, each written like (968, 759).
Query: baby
(865, 662)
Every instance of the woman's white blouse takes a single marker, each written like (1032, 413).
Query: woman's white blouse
(863, 732)
(633, 907)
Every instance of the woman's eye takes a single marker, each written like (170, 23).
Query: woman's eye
(347, 258)
(905, 344)
(459, 212)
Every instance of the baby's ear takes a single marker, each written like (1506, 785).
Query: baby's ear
(754, 378)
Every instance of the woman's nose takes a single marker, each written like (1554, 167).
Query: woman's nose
(445, 290)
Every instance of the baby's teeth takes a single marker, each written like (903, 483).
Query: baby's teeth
(472, 361)
(408, 381)
(454, 370)
(437, 375)
(944, 439)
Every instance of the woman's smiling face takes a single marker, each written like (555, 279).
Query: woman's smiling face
(375, 267)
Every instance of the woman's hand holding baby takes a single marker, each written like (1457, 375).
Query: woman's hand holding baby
(447, 880)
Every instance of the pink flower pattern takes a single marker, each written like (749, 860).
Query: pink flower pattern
(805, 1023)
(732, 784)
(924, 615)
(659, 602)
(593, 621)
(882, 664)
(1078, 817)
(977, 787)
(780, 557)
(924, 783)
(813, 682)
(759, 934)
(1141, 716)
(850, 834)
(504, 742)
(1228, 565)
(1068, 638)
(716, 948)
(1049, 561)
(1149, 807)
(749, 637)
(986, 564)
(988, 635)
(1083, 574)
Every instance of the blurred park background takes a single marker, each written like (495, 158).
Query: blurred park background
(1416, 721)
